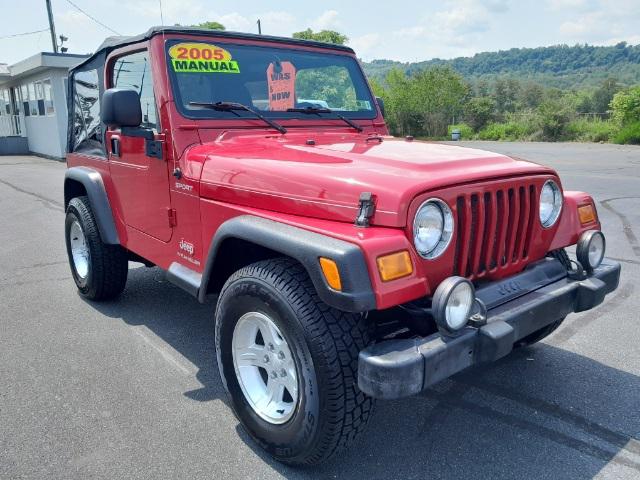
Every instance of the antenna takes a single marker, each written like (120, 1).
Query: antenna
(161, 16)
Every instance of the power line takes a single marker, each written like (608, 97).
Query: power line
(92, 18)
(24, 33)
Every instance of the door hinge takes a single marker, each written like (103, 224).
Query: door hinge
(153, 148)
(173, 218)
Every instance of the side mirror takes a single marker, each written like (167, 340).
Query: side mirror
(121, 108)
(381, 105)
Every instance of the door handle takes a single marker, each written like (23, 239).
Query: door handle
(115, 146)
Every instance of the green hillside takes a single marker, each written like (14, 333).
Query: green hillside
(561, 66)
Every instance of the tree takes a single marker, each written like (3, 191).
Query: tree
(211, 25)
(506, 92)
(327, 36)
(482, 88)
(479, 111)
(554, 116)
(625, 106)
(604, 94)
(579, 66)
(531, 95)
(397, 101)
(424, 103)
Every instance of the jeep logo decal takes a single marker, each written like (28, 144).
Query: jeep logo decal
(186, 246)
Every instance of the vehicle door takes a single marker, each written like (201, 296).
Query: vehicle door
(137, 157)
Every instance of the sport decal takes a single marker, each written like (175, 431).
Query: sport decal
(281, 77)
(201, 58)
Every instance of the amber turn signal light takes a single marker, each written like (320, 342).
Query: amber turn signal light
(587, 214)
(395, 265)
(331, 273)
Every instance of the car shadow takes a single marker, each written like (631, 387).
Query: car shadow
(541, 412)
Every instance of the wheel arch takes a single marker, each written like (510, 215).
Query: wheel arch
(246, 239)
(79, 181)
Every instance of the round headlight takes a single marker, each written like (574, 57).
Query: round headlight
(452, 303)
(590, 249)
(550, 203)
(432, 228)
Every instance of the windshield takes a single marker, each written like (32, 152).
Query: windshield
(268, 79)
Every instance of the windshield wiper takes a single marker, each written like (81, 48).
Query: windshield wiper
(232, 106)
(319, 110)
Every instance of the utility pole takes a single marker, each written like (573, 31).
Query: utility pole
(259, 27)
(52, 27)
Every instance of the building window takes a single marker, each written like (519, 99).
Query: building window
(5, 102)
(33, 99)
(134, 72)
(24, 98)
(48, 97)
(39, 98)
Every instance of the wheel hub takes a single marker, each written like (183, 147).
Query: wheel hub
(79, 250)
(265, 367)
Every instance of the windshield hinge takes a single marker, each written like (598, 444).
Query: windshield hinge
(366, 208)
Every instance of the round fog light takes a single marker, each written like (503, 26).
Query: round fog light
(452, 303)
(590, 249)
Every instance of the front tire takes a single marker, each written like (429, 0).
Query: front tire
(318, 408)
(99, 270)
(539, 335)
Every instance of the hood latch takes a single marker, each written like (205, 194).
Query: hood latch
(366, 209)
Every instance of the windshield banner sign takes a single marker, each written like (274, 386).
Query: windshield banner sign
(281, 78)
(201, 58)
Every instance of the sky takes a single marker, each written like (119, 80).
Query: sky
(409, 30)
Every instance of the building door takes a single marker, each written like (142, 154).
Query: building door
(17, 118)
(141, 177)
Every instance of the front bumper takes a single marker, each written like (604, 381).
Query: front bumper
(398, 368)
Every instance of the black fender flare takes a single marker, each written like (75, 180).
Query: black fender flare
(100, 206)
(306, 247)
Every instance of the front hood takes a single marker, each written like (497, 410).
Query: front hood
(322, 174)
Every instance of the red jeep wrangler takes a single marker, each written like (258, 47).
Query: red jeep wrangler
(348, 265)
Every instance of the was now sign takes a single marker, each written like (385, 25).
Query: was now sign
(281, 79)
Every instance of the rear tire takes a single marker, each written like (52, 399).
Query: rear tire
(99, 270)
(326, 411)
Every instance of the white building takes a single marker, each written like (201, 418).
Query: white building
(33, 104)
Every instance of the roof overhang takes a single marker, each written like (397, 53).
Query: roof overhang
(40, 62)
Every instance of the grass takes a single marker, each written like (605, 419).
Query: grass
(628, 134)
(585, 130)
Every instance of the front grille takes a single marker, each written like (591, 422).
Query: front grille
(494, 229)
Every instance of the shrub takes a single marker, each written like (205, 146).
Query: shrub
(466, 132)
(625, 106)
(554, 117)
(628, 134)
(510, 131)
(493, 131)
(586, 130)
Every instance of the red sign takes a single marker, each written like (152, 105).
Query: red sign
(281, 78)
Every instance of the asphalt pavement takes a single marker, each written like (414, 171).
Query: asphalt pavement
(130, 389)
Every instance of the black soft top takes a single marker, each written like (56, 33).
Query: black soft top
(111, 43)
